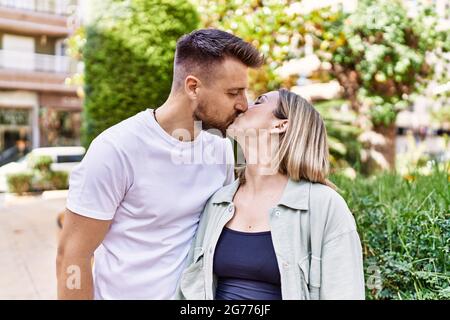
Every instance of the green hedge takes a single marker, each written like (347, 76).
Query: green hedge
(41, 163)
(128, 58)
(404, 225)
(19, 182)
(59, 180)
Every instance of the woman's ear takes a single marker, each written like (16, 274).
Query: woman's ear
(279, 126)
(191, 85)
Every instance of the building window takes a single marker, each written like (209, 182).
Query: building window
(15, 134)
(59, 128)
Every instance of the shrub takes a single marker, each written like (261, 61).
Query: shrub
(41, 163)
(19, 182)
(404, 227)
(59, 180)
(52, 180)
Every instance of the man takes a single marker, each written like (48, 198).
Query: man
(136, 197)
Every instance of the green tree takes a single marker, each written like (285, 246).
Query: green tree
(128, 55)
(378, 55)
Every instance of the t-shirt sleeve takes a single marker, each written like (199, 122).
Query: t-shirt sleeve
(99, 183)
(229, 162)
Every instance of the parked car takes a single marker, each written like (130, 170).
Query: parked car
(10, 154)
(64, 159)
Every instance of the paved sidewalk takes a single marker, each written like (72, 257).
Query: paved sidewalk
(28, 241)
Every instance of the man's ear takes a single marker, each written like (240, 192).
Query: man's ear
(279, 126)
(191, 85)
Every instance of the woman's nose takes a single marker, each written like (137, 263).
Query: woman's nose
(251, 106)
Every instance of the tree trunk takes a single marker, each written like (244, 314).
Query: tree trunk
(388, 150)
(349, 80)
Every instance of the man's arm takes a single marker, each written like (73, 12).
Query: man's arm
(79, 238)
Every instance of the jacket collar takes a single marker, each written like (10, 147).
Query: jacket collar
(295, 194)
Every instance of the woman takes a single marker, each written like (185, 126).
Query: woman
(280, 231)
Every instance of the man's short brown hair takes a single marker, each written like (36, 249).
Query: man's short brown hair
(199, 51)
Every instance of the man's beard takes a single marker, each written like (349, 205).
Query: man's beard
(208, 122)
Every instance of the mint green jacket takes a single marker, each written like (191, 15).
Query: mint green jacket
(314, 235)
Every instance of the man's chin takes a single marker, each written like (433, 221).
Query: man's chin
(214, 129)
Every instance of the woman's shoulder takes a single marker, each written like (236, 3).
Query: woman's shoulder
(331, 209)
(316, 193)
(325, 194)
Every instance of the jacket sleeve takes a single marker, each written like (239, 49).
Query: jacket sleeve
(342, 268)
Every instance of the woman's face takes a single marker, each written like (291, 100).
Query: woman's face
(258, 118)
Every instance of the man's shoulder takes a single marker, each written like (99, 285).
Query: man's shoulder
(127, 125)
(123, 134)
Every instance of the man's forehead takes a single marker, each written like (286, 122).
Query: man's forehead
(234, 73)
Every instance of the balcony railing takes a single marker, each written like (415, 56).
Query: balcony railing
(17, 60)
(58, 7)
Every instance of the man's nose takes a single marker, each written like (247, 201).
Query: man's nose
(242, 106)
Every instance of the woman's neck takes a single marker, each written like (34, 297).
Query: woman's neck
(258, 182)
(261, 168)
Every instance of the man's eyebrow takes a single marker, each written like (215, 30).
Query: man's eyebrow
(243, 88)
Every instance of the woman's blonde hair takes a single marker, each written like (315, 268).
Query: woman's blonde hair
(303, 149)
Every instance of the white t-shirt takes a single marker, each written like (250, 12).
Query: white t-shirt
(154, 188)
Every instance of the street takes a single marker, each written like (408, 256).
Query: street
(28, 242)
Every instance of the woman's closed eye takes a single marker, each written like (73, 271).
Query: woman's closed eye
(259, 100)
